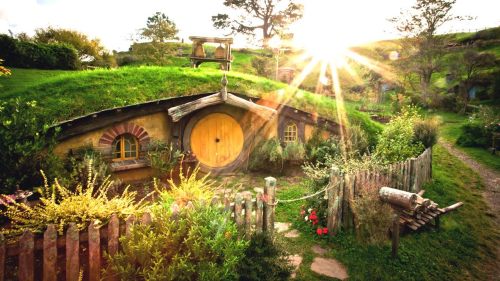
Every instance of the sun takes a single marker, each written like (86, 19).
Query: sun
(326, 34)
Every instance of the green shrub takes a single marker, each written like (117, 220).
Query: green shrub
(190, 188)
(26, 146)
(426, 131)
(263, 66)
(321, 151)
(37, 55)
(397, 141)
(79, 162)
(356, 140)
(478, 131)
(372, 217)
(163, 157)
(198, 244)
(264, 259)
(267, 156)
(60, 205)
(294, 151)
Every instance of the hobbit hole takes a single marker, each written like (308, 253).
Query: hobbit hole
(218, 131)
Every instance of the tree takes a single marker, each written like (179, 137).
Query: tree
(159, 28)
(270, 16)
(466, 68)
(423, 48)
(90, 51)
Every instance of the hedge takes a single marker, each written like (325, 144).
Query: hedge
(37, 55)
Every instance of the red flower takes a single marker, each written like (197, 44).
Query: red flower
(319, 231)
(314, 222)
(325, 230)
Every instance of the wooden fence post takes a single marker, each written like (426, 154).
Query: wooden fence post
(2, 257)
(395, 234)
(248, 215)
(27, 257)
(238, 217)
(94, 252)
(413, 175)
(332, 200)
(269, 193)
(259, 212)
(50, 253)
(72, 253)
(113, 235)
(128, 224)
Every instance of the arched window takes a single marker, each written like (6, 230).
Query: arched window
(291, 134)
(125, 147)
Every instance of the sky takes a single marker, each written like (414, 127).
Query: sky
(116, 21)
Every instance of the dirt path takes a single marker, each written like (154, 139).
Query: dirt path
(491, 193)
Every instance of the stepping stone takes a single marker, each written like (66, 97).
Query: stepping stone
(329, 267)
(258, 189)
(318, 250)
(282, 226)
(295, 261)
(294, 233)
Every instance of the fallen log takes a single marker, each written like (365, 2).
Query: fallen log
(398, 197)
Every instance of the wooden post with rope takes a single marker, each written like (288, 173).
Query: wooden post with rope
(270, 194)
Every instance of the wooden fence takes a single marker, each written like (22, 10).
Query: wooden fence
(408, 175)
(52, 257)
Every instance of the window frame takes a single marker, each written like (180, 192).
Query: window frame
(287, 133)
(121, 139)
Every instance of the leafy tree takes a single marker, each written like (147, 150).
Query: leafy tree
(270, 16)
(89, 50)
(423, 49)
(466, 68)
(159, 28)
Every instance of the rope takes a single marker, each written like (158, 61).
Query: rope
(328, 187)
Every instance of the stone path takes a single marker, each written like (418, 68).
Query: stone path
(324, 266)
(491, 193)
(295, 261)
(329, 267)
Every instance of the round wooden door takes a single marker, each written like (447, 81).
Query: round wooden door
(217, 140)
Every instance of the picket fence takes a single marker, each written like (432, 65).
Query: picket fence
(409, 175)
(52, 257)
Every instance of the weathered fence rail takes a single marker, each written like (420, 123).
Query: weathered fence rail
(409, 175)
(52, 257)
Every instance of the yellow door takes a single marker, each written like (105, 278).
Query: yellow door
(217, 140)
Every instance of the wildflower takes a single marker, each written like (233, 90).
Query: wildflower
(319, 231)
(325, 230)
(306, 218)
(302, 212)
(309, 210)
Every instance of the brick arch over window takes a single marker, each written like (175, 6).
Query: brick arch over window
(139, 132)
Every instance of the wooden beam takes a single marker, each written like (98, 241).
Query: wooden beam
(263, 111)
(182, 110)
(452, 207)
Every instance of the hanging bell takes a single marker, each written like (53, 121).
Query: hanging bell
(199, 51)
(220, 52)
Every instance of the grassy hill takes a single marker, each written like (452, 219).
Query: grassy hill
(65, 95)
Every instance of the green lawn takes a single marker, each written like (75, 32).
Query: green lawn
(24, 78)
(459, 250)
(450, 131)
